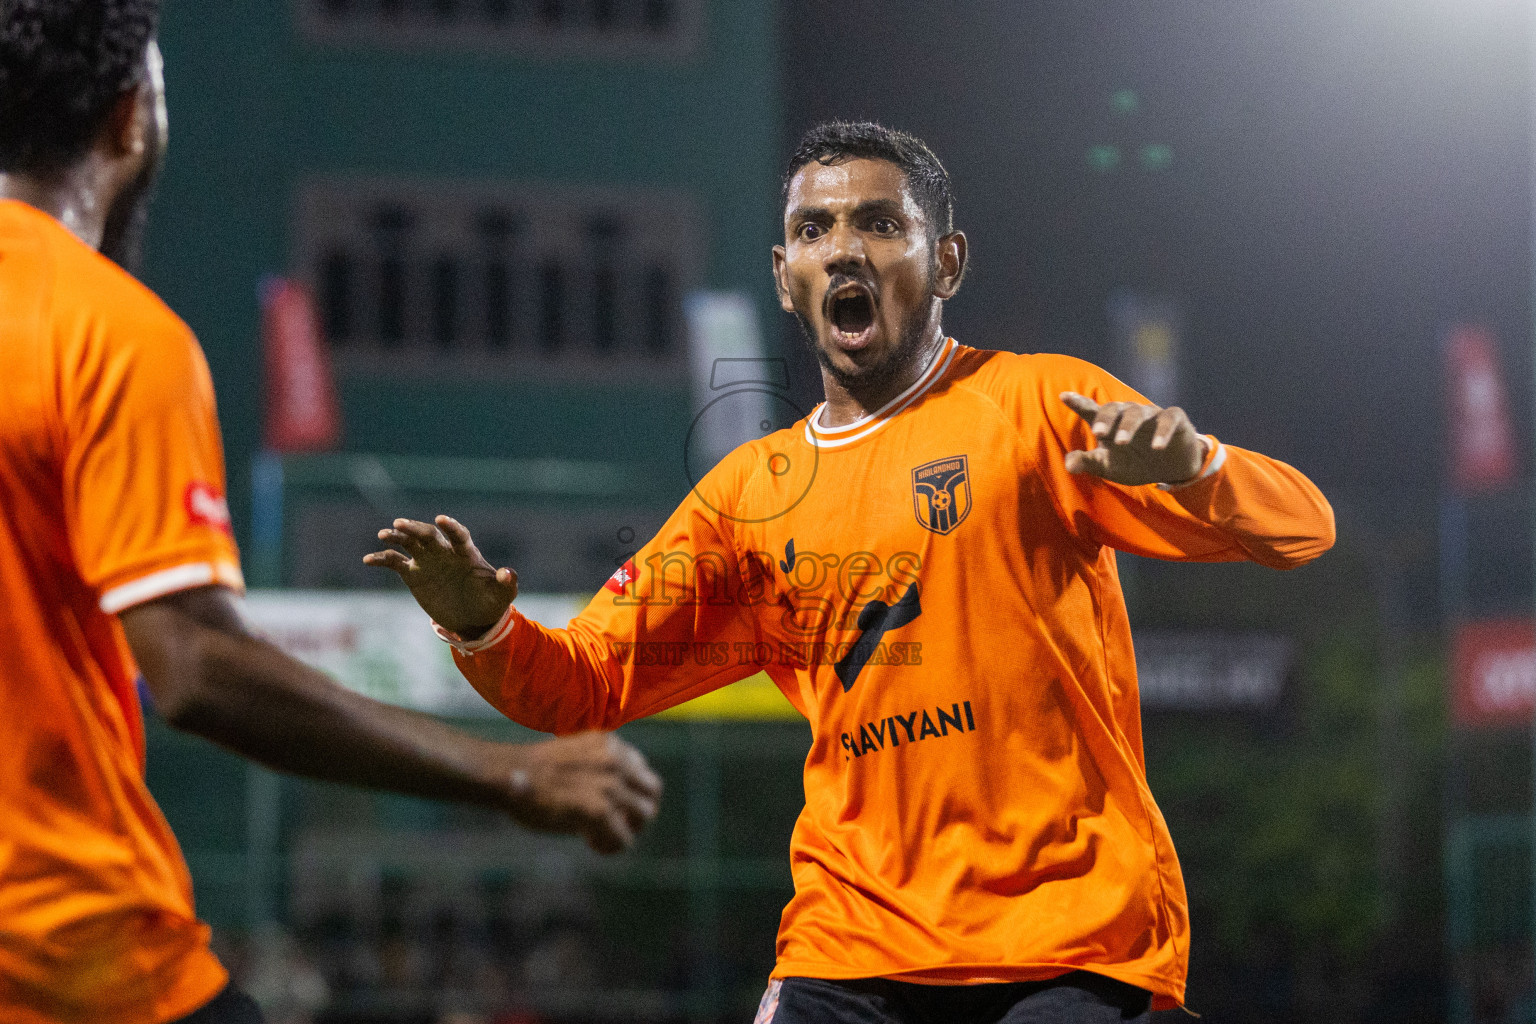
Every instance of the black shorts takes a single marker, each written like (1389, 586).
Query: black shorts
(1077, 998)
(230, 1006)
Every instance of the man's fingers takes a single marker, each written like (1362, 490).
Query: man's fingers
(396, 537)
(641, 783)
(618, 824)
(1131, 419)
(408, 541)
(419, 536)
(639, 775)
(602, 838)
(1108, 418)
(1168, 423)
(1089, 463)
(610, 833)
(1084, 406)
(390, 559)
(412, 528)
(458, 536)
(637, 809)
(631, 761)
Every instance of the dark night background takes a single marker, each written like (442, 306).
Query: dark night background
(1348, 178)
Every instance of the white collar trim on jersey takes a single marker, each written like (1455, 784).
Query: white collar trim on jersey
(871, 422)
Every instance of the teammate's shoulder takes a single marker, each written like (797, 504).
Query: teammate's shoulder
(103, 287)
(86, 284)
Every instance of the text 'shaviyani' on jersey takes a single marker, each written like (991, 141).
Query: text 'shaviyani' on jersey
(938, 596)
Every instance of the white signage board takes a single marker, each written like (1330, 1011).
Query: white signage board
(382, 644)
(732, 398)
(1196, 670)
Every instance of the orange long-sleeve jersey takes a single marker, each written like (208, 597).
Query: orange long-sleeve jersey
(934, 591)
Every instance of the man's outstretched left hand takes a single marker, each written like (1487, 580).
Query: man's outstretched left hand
(1138, 444)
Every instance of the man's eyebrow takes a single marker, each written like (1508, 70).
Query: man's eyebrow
(868, 208)
(888, 207)
(810, 213)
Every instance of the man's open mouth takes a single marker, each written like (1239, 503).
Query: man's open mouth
(851, 311)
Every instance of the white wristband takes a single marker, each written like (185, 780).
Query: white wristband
(493, 636)
(1217, 461)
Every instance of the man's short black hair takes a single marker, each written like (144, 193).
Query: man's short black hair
(63, 64)
(849, 140)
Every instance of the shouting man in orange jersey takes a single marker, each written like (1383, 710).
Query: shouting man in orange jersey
(926, 567)
(116, 556)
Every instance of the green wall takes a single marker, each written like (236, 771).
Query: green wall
(255, 109)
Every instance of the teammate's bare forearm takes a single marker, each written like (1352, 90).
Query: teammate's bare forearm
(209, 676)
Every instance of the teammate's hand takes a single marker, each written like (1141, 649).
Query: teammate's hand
(447, 575)
(1138, 444)
(593, 785)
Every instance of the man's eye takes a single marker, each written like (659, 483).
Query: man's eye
(810, 232)
(884, 226)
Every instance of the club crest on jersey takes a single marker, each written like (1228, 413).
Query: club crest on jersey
(941, 493)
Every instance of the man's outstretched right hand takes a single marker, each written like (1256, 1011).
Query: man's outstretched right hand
(447, 575)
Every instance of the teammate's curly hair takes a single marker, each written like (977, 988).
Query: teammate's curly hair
(63, 63)
(843, 140)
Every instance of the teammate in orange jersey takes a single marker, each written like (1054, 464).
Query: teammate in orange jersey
(115, 551)
(926, 567)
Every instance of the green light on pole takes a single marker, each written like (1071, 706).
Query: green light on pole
(1104, 159)
(1125, 102)
(1156, 156)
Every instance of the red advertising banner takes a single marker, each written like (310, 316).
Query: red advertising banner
(302, 414)
(1482, 440)
(1493, 672)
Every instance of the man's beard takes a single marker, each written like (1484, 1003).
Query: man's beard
(122, 238)
(877, 378)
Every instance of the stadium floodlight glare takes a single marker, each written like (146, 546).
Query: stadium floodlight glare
(1125, 101)
(1156, 156)
(1104, 158)
(1107, 157)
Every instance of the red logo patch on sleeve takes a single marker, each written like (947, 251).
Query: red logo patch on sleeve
(622, 578)
(206, 506)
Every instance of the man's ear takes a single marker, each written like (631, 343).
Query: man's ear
(781, 279)
(126, 133)
(950, 272)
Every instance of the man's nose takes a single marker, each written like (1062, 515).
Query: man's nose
(845, 250)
